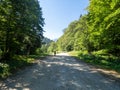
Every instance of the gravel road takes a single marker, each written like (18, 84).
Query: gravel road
(60, 72)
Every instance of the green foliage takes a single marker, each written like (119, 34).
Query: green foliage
(96, 35)
(19, 61)
(40, 56)
(75, 36)
(16, 63)
(97, 30)
(39, 50)
(104, 26)
(99, 58)
(52, 47)
(45, 46)
(21, 33)
(4, 70)
(21, 25)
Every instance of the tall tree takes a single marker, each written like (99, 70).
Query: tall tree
(21, 26)
(103, 24)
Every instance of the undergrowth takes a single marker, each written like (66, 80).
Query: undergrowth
(16, 63)
(99, 58)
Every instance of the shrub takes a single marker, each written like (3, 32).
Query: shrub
(4, 70)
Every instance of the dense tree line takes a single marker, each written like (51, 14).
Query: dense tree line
(104, 19)
(21, 25)
(75, 36)
(98, 30)
(46, 43)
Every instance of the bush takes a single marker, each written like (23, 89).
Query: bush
(100, 58)
(14, 64)
(4, 70)
(100, 52)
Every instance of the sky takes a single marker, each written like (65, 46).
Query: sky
(59, 14)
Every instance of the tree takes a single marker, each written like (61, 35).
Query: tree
(21, 27)
(75, 36)
(52, 47)
(103, 24)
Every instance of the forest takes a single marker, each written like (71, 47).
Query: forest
(98, 30)
(95, 36)
(21, 33)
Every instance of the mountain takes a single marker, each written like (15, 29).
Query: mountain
(46, 40)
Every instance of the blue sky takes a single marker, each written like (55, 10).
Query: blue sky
(59, 14)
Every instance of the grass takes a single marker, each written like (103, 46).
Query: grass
(16, 63)
(38, 56)
(99, 58)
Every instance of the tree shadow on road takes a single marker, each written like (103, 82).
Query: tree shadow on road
(59, 73)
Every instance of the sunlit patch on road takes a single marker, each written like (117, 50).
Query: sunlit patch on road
(60, 72)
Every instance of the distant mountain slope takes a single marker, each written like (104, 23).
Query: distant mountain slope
(46, 40)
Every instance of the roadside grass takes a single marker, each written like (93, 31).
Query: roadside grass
(100, 59)
(17, 63)
(39, 56)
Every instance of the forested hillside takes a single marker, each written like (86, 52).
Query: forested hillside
(75, 36)
(95, 37)
(98, 30)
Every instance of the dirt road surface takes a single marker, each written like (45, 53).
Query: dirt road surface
(60, 72)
